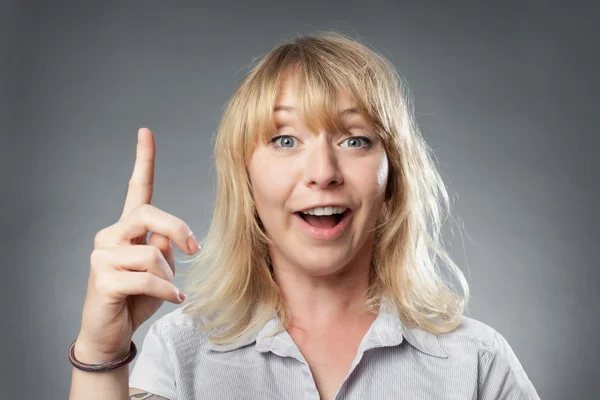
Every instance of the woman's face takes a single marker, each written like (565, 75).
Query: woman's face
(301, 174)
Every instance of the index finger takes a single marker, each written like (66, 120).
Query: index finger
(141, 183)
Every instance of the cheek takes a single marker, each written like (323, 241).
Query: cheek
(270, 184)
(368, 180)
(382, 173)
(374, 177)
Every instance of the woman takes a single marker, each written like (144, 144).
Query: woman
(319, 277)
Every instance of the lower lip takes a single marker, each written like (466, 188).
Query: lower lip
(325, 233)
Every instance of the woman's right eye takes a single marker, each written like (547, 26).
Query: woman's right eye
(283, 142)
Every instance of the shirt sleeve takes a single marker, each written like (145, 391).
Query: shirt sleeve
(502, 376)
(153, 371)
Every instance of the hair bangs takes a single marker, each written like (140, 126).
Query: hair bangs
(318, 80)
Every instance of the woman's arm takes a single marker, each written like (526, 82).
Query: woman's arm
(104, 385)
(502, 376)
(98, 385)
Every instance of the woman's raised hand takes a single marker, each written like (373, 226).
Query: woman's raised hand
(130, 278)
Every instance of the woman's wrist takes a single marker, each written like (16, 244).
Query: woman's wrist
(88, 353)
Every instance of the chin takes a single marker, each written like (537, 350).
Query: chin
(322, 264)
(322, 270)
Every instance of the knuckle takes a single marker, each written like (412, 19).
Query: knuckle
(98, 261)
(99, 238)
(103, 285)
(144, 210)
(133, 182)
(184, 230)
(95, 257)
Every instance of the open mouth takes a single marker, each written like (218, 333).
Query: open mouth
(324, 221)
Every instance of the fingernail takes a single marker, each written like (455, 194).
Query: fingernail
(193, 243)
(182, 296)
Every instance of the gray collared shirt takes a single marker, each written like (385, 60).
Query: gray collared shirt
(177, 361)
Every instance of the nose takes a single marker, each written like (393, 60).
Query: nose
(322, 169)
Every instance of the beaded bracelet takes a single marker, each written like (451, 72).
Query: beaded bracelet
(107, 366)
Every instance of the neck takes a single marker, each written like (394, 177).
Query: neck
(320, 302)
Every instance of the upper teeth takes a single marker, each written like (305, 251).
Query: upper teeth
(325, 210)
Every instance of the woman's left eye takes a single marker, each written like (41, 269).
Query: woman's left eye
(357, 142)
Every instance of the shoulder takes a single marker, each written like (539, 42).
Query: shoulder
(173, 344)
(473, 331)
(179, 319)
(469, 341)
(500, 372)
(187, 334)
(478, 338)
(488, 341)
(178, 329)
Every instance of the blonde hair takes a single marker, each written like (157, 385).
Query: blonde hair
(230, 283)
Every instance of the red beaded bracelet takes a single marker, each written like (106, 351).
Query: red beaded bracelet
(107, 366)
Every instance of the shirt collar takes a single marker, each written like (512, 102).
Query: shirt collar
(390, 328)
(387, 330)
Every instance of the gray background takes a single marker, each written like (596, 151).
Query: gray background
(507, 96)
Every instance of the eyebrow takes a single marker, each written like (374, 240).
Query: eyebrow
(290, 109)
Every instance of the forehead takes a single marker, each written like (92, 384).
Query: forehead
(288, 95)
